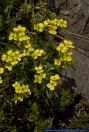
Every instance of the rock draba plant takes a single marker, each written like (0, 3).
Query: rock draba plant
(22, 40)
(32, 59)
(45, 72)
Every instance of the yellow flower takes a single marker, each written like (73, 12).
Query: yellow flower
(25, 53)
(63, 23)
(15, 29)
(1, 70)
(4, 57)
(68, 43)
(11, 58)
(11, 36)
(30, 49)
(55, 21)
(50, 25)
(9, 52)
(40, 74)
(1, 81)
(43, 75)
(39, 27)
(62, 48)
(14, 62)
(52, 32)
(20, 28)
(57, 62)
(18, 89)
(20, 38)
(39, 69)
(67, 58)
(51, 86)
(38, 79)
(55, 77)
(9, 67)
(46, 23)
(37, 53)
(23, 38)
(21, 91)
(54, 27)
(26, 38)
(58, 23)
(65, 49)
(53, 82)
(28, 45)
(40, 52)
(16, 84)
(25, 89)
(65, 52)
(58, 48)
(21, 34)
(18, 98)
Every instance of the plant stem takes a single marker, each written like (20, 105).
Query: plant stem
(59, 37)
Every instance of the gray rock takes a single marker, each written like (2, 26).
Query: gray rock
(78, 23)
(77, 14)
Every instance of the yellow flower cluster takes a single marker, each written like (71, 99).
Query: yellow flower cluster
(21, 91)
(39, 74)
(65, 52)
(1, 72)
(19, 34)
(51, 25)
(53, 82)
(11, 58)
(39, 27)
(28, 49)
(37, 53)
(59, 22)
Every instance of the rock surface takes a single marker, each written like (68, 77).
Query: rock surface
(79, 24)
(77, 14)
